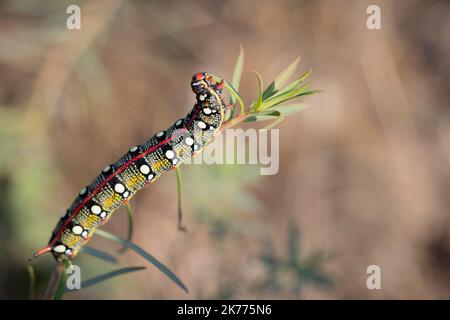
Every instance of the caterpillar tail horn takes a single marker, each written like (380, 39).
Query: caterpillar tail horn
(39, 253)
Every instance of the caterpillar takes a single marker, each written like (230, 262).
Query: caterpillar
(141, 165)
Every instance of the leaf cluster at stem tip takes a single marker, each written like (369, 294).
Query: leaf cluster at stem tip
(272, 102)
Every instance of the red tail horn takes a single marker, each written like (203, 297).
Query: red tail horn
(39, 253)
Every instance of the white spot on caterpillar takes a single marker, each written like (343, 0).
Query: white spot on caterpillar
(150, 177)
(59, 248)
(178, 122)
(170, 154)
(201, 125)
(77, 230)
(195, 146)
(133, 149)
(106, 169)
(207, 111)
(189, 141)
(126, 194)
(144, 169)
(95, 209)
(84, 234)
(68, 252)
(119, 188)
(160, 134)
(174, 161)
(201, 97)
(103, 215)
(83, 191)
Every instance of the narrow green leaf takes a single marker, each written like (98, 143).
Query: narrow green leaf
(307, 92)
(269, 92)
(263, 116)
(99, 254)
(279, 99)
(257, 118)
(32, 278)
(257, 104)
(314, 276)
(266, 115)
(292, 86)
(237, 73)
(314, 260)
(288, 109)
(286, 74)
(281, 79)
(145, 255)
(96, 280)
(61, 286)
(234, 93)
(180, 199)
(130, 215)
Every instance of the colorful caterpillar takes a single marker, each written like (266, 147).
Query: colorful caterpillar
(140, 166)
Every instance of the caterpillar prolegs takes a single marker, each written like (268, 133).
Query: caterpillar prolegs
(140, 166)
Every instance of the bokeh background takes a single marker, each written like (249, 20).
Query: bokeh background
(364, 171)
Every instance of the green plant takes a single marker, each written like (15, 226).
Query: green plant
(293, 272)
(271, 102)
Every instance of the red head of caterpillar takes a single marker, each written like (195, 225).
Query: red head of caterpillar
(203, 81)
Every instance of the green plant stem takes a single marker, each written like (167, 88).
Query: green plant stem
(130, 216)
(234, 121)
(180, 199)
(32, 276)
(60, 289)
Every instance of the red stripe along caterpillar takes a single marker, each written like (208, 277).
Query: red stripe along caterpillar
(140, 166)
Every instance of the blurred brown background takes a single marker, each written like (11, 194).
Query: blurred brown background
(364, 174)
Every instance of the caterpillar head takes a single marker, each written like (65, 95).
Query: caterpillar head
(202, 81)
